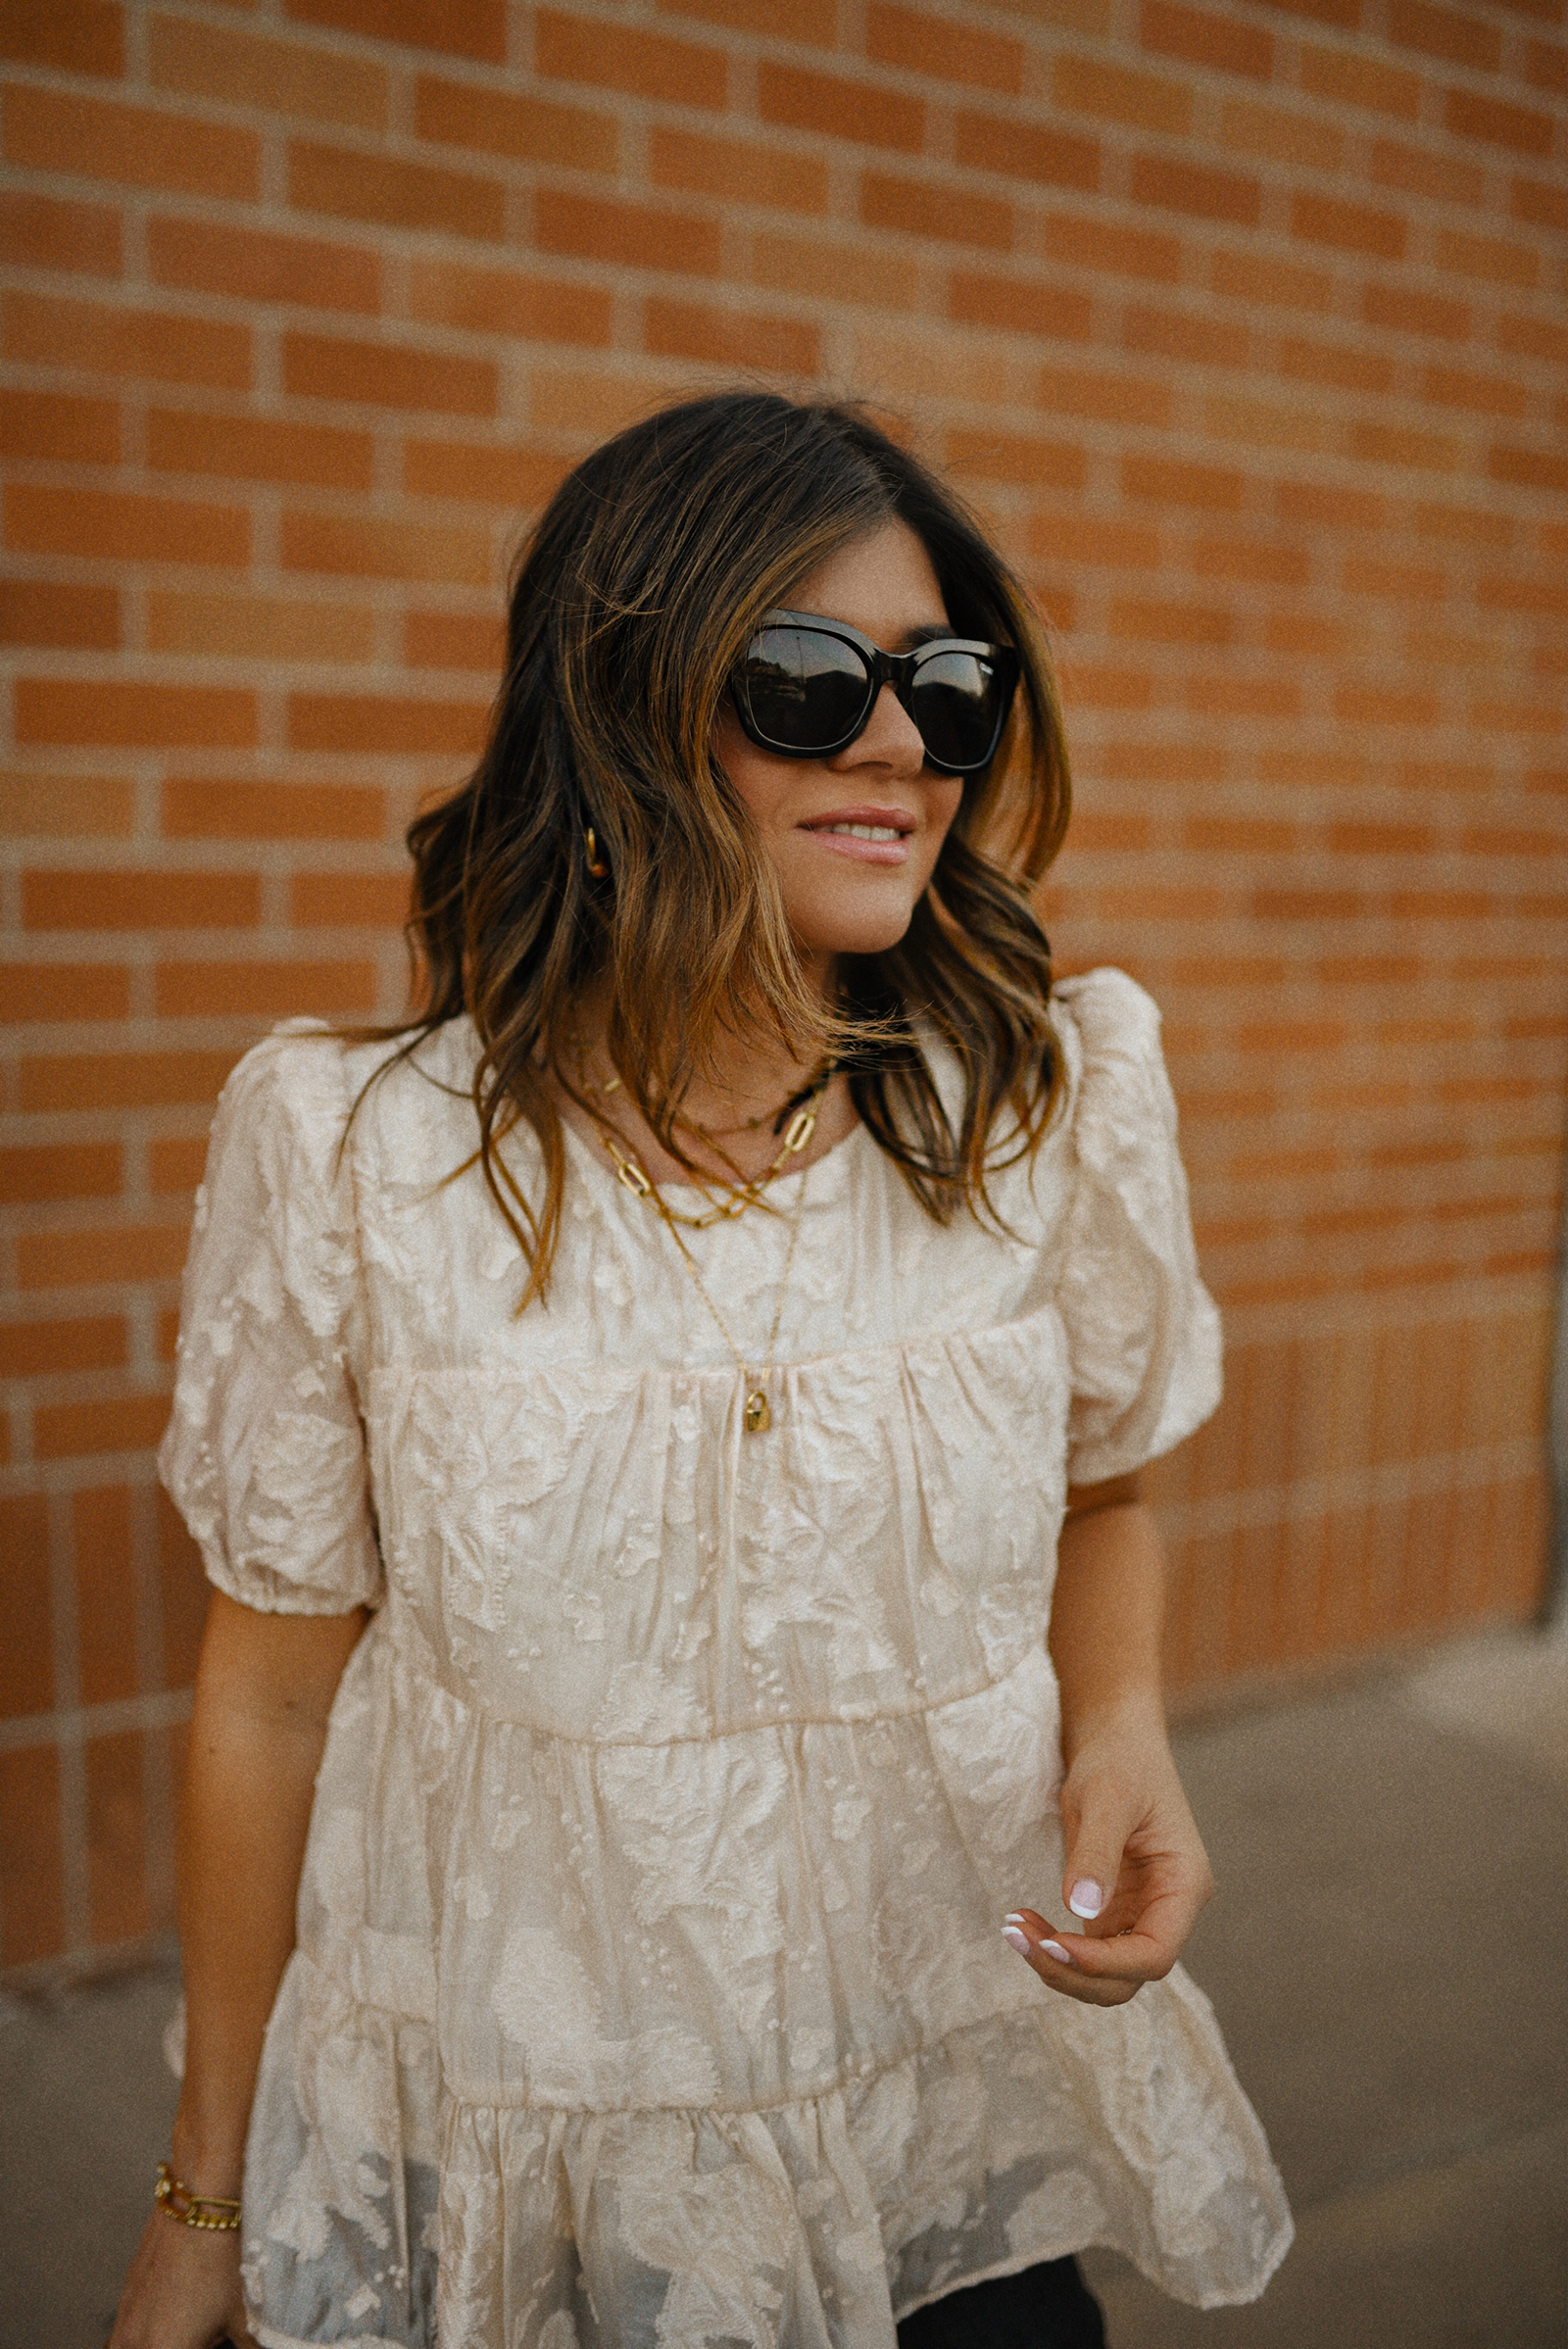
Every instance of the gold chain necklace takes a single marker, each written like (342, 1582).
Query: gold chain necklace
(755, 1414)
(748, 1193)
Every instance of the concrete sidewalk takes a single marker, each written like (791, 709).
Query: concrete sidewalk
(1387, 1957)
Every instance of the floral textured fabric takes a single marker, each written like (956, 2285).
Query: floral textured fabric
(649, 1992)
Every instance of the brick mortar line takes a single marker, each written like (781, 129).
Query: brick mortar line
(1479, 1298)
(1383, 1481)
(519, 175)
(1041, 43)
(72, 1726)
(1032, 202)
(1258, 387)
(1122, 141)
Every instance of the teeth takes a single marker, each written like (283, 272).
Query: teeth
(867, 831)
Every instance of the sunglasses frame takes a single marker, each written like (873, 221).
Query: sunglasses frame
(897, 669)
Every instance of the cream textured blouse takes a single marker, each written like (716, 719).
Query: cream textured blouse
(648, 1990)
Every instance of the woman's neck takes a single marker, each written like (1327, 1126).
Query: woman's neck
(730, 1118)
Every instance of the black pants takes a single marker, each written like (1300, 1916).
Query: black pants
(1049, 2307)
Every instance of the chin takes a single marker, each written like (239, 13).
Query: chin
(872, 934)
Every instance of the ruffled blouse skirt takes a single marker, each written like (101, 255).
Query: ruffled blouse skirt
(867, 2099)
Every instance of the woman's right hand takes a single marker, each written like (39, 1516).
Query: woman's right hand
(182, 2291)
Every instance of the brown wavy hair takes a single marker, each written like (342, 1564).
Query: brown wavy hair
(630, 605)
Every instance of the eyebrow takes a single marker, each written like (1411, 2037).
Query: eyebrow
(927, 632)
(932, 633)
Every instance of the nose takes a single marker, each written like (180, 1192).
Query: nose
(891, 740)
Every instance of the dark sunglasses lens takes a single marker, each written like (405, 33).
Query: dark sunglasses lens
(805, 691)
(956, 702)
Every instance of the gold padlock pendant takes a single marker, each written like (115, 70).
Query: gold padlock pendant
(756, 1417)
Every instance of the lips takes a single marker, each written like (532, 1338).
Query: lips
(871, 834)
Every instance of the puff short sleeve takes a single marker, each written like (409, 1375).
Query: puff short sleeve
(1143, 1332)
(265, 1454)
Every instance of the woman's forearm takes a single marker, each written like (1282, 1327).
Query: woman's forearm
(264, 1692)
(1135, 1873)
(1108, 1612)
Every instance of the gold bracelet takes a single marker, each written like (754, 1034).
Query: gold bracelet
(176, 2201)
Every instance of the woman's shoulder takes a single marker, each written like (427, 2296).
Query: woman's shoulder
(308, 1063)
(305, 1088)
(1100, 1016)
(1108, 1014)
(1115, 1067)
(292, 1078)
(1121, 1110)
(1114, 1109)
(1111, 1074)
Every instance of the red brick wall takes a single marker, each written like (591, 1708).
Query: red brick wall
(1244, 323)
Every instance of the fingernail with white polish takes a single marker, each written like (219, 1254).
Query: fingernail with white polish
(1055, 1949)
(1085, 1900)
(1015, 1939)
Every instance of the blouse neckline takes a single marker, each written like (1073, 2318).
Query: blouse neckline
(604, 1172)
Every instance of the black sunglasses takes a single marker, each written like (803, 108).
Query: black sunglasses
(806, 687)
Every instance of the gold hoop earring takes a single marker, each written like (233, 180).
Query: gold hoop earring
(598, 866)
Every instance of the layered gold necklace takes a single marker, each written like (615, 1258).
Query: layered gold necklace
(756, 1413)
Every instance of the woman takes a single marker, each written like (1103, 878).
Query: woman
(630, 1423)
